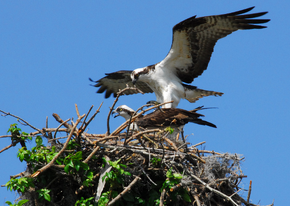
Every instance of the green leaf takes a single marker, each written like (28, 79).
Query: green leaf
(177, 176)
(169, 174)
(110, 175)
(78, 155)
(77, 166)
(8, 203)
(186, 197)
(47, 197)
(169, 129)
(85, 166)
(127, 173)
(66, 169)
(90, 175)
(21, 202)
(38, 141)
(21, 156)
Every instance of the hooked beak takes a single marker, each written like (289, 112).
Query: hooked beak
(113, 112)
(134, 81)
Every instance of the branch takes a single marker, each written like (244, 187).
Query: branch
(124, 191)
(18, 118)
(249, 193)
(6, 148)
(87, 123)
(162, 197)
(214, 190)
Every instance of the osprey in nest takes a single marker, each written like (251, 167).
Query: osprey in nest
(162, 118)
(192, 46)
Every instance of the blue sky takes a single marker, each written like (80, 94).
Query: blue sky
(49, 49)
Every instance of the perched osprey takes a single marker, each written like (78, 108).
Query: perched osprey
(162, 118)
(191, 49)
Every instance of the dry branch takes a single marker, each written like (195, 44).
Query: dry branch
(124, 191)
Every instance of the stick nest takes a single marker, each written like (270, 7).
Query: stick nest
(149, 168)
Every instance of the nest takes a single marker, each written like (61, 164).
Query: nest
(150, 168)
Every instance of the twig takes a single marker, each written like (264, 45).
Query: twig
(204, 151)
(214, 190)
(46, 122)
(145, 173)
(6, 148)
(171, 143)
(59, 127)
(196, 198)
(18, 175)
(9, 135)
(9, 114)
(93, 116)
(77, 110)
(162, 197)
(97, 148)
(57, 118)
(86, 117)
(143, 132)
(197, 144)
(249, 193)
(199, 158)
(125, 190)
(48, 130)
(59, 153)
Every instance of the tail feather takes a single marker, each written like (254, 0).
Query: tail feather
(192, 94)
(203, 122)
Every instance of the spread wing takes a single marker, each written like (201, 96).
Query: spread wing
(171, 117)
(195, 38)
(112, 83)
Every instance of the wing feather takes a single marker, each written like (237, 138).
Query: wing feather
(171, 117)
(113, 82)
(194, 40)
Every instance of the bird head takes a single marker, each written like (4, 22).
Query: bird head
(123, 111)
(139, 73)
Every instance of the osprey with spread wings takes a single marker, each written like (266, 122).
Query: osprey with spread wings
(192, 46)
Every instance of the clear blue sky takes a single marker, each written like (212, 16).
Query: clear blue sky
(48, 49)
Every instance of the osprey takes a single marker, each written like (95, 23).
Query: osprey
(162, 118)
(191, 49)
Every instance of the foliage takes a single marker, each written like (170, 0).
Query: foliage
(44, 194)
(16, 135)
(169, 129)
(20, 185)
(172, 180)
(20, 203)
(115, 178)
(85, 202)
(73, 163)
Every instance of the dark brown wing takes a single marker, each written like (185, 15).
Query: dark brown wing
(195, 38)
(171, 117)
(112, 83)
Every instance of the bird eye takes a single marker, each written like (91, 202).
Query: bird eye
(120, 109)
(137, 75)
